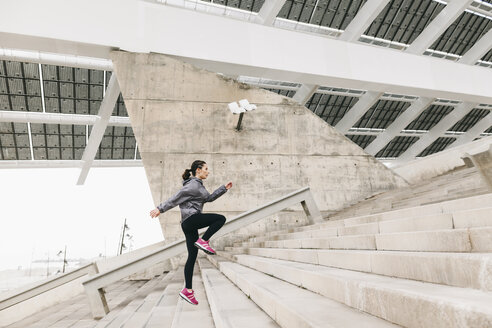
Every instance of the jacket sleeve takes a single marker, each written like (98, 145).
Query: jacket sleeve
(216, 194)
(180, 197)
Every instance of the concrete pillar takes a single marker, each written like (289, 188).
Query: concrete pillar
(179, 114)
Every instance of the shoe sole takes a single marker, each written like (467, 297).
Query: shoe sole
(204, 249)
(186, 299)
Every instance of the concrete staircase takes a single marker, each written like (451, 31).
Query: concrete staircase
(459, 183)
(425, 263)
(423, 266)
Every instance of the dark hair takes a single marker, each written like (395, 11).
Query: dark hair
(196, 165)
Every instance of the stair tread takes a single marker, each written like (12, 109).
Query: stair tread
(438, 293)
(230, 306)
(306, 307)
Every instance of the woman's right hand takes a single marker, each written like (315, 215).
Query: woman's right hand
(155, 213)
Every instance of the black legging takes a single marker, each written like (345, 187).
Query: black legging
(190, 228)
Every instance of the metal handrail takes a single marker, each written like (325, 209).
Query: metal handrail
(94, 286)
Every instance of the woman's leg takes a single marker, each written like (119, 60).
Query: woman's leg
(202, 220)
(191, 235)
(216, 222)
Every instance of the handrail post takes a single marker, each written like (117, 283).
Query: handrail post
(97, 301)
(311, 209)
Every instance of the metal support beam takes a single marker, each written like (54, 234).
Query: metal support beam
(444, 124)
(39, 57)
(438, 25)
(475, 131)
(48, 164)
(360, 108)
(58, 118)
(269, 12)
(305, 93)
(398, 125)
(363, 19)
(97, 133)
(479, 49)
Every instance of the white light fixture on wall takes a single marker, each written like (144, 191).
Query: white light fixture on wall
(244, 106)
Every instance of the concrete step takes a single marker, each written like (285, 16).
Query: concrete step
(291, 306)
(140, 315)
(76, 312)
(162, 314)
(188, 315)
(231, 307)
(450, 240)
(405, 302)
(455, 240)
(453, 269)
(128, 308)
(470, 203)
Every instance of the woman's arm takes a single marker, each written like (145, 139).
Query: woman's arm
(219, 192)
(180, 197)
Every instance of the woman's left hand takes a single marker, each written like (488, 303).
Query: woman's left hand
(229, 185)
(154, 213)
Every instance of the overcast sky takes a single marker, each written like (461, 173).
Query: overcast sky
(42, 210)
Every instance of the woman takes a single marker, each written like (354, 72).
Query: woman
(190, 200)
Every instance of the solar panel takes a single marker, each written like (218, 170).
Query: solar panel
(330, 108)
(382, 114)
(404, 20)
(438, 145)
(460, 36)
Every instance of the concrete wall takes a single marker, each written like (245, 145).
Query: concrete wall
(179, 114)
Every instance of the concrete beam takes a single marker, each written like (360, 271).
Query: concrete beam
(363, 19)
(444, 124)
(474, 132)
(398, 125)
(142, 26)
(479, 49)
(438, 25)
(97, 133)
(269, 12)
(305, 93)
(57, 118)
(360, 108)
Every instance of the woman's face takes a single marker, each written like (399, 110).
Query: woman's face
(202, 173)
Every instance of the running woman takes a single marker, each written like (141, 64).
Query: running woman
(190, 200)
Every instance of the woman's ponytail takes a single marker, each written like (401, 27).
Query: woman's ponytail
(194, 166)
(186, 174)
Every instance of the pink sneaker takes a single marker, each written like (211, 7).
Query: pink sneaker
(204, 246)
(188, 297)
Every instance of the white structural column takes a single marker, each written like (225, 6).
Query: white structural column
(363, 19)
(437, 131)
(478, 50)
(98, 129)
(417, 107)
(304, 93)
(358, 110)
(475, 131)
(447, 16)
(58, 118)
(269, 11)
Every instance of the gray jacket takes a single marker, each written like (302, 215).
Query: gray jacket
(191, 198)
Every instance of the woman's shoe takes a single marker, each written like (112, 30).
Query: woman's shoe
(204, 246)
(188, 297)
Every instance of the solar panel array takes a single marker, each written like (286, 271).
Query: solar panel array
(81, 91)
(67, 90)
